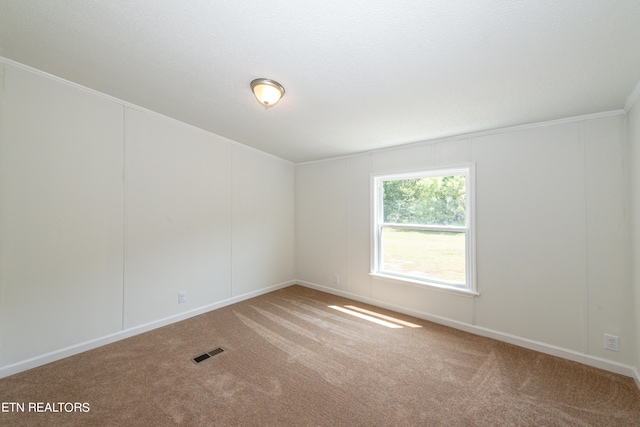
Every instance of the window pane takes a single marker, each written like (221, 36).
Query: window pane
(427, 201)
(438, 255)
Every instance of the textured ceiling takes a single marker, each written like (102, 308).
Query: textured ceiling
(359, 74)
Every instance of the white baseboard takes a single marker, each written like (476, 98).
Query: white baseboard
(52, 356)
(636, 376)
(552, 350)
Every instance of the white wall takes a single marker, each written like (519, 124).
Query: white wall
(553, 264)
(634, 141)
(321, 223)
(263, 221)
(107, 211)
(61, 217)
(178, 210)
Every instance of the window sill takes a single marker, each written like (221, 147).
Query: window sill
(420, 284)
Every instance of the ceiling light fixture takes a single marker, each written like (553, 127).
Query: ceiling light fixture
(267, 92)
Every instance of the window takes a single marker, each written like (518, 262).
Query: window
(423, 227)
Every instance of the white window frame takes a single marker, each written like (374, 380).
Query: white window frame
(378, 224)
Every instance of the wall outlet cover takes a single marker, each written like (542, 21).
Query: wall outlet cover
(182, 297)
(611, 342)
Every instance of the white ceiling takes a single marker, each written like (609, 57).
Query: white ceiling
(358, 74)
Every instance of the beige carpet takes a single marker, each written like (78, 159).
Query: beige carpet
(293, 360)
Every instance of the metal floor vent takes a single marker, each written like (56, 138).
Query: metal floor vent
(207, 355)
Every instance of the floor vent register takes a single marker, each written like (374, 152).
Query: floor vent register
(207, 355)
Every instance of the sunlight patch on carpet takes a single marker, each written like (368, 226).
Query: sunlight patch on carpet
(383, 316)
(366, 317)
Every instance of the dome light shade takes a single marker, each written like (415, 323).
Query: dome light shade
(267, 92)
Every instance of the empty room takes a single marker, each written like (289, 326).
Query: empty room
(320, 213)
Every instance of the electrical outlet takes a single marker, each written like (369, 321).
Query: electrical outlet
(611, 342)
(336, 279)
(182, 297)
